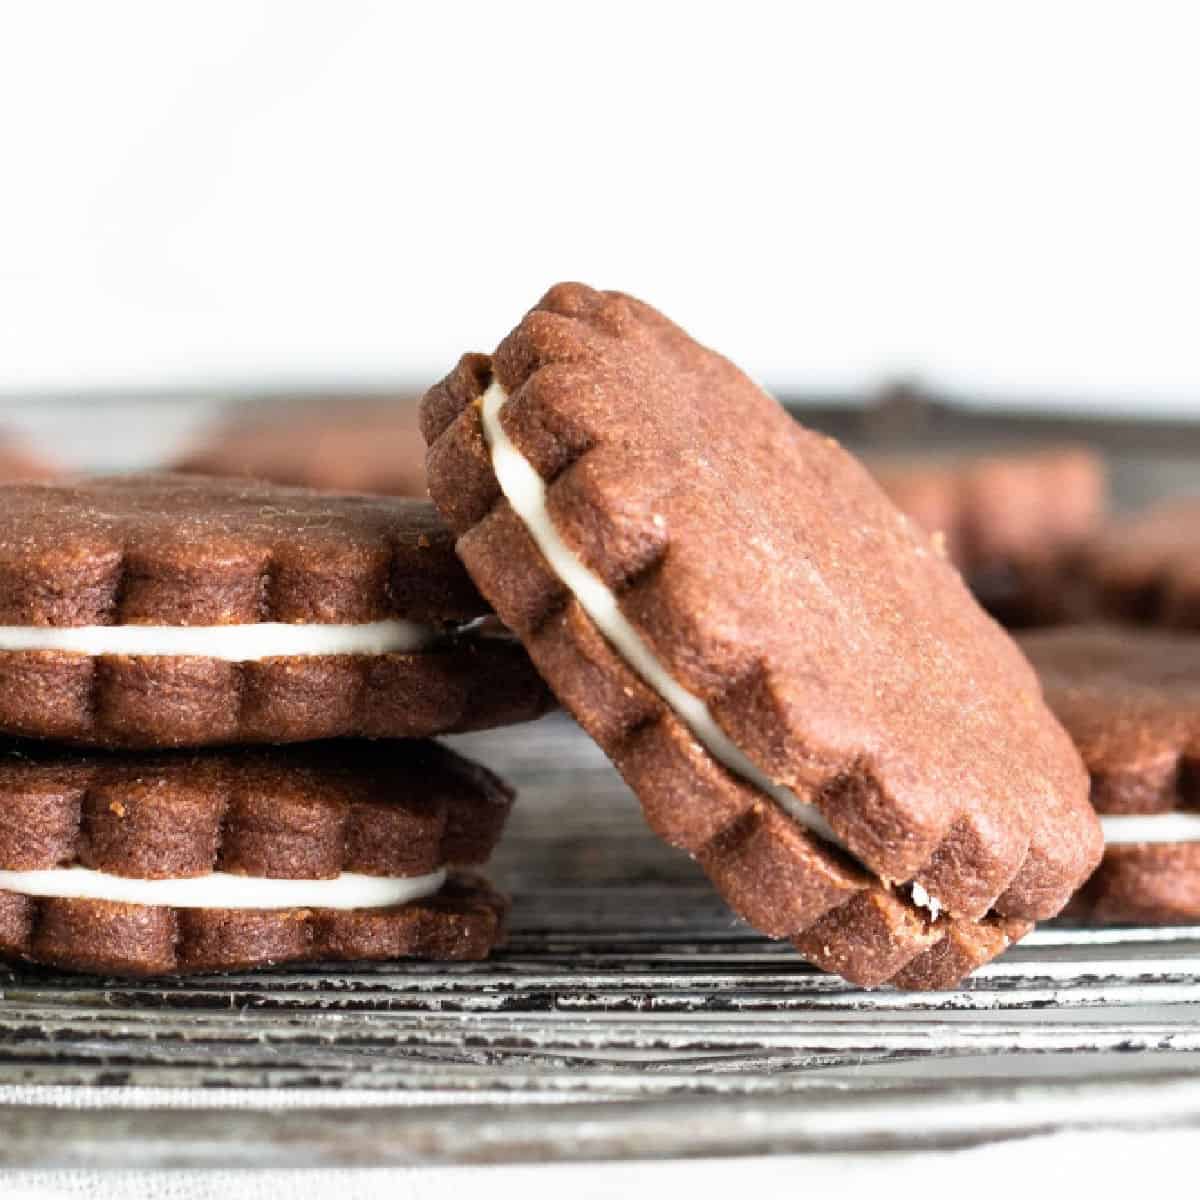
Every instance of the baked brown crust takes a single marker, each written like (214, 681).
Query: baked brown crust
(464, 921)
(162, 549)
(965, 946)
(1145, 568)
(776, 582)
(179, 550)
(305, 812)
(120, 701)
(1131, 700)
(339, 443)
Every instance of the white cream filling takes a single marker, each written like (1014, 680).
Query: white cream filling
(231, 643)
(525, 491)
(922, 899)
(1151, 828)
(224, 890)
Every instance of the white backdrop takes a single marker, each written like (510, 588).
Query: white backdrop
(1002, 199)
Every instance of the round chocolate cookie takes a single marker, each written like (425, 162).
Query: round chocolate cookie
(157, 863)
(342, 444)
(800, 691)
(1013, 523)
(1145, 568)
(1131, 700)
(172, 610)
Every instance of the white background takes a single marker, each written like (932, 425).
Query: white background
(1000, 198)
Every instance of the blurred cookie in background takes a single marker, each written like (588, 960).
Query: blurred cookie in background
(1130, 699)
(348, 444)
(1013, 522)
(1145, 568)
(18, 460)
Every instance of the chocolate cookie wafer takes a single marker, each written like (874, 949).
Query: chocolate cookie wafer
(341, 444)
(1013, 523)
(1145, 568)
(801, 692)
(172, 610)
(158, 863)
(1131, 700)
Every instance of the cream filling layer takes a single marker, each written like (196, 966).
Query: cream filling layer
(224, 890)
(525, 491)
(230, 643)
(1151, 829)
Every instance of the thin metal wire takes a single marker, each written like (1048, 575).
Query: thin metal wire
(626, 987)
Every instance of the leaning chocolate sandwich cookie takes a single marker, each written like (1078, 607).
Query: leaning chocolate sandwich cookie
(1131, 700)
(800, 691)
(165, 862)
(164, 610)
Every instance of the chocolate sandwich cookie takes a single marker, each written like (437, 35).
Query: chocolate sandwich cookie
(801, 692)
(1131, 700)
(1145, 568)
(169, 862)
(172, 610)
(1013, 523)
(349, 445)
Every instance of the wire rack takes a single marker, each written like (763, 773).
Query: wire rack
(629, 1015)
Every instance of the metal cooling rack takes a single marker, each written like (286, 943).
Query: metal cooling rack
(630, 1015)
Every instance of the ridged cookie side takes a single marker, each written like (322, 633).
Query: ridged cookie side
(464, 921)
(310, 812)
(189, 550)
(166, 701)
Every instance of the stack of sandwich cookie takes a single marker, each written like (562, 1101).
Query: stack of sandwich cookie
(143, 615)
(163, 862)
(166, 610)
(798, 688)
(1131, 700)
